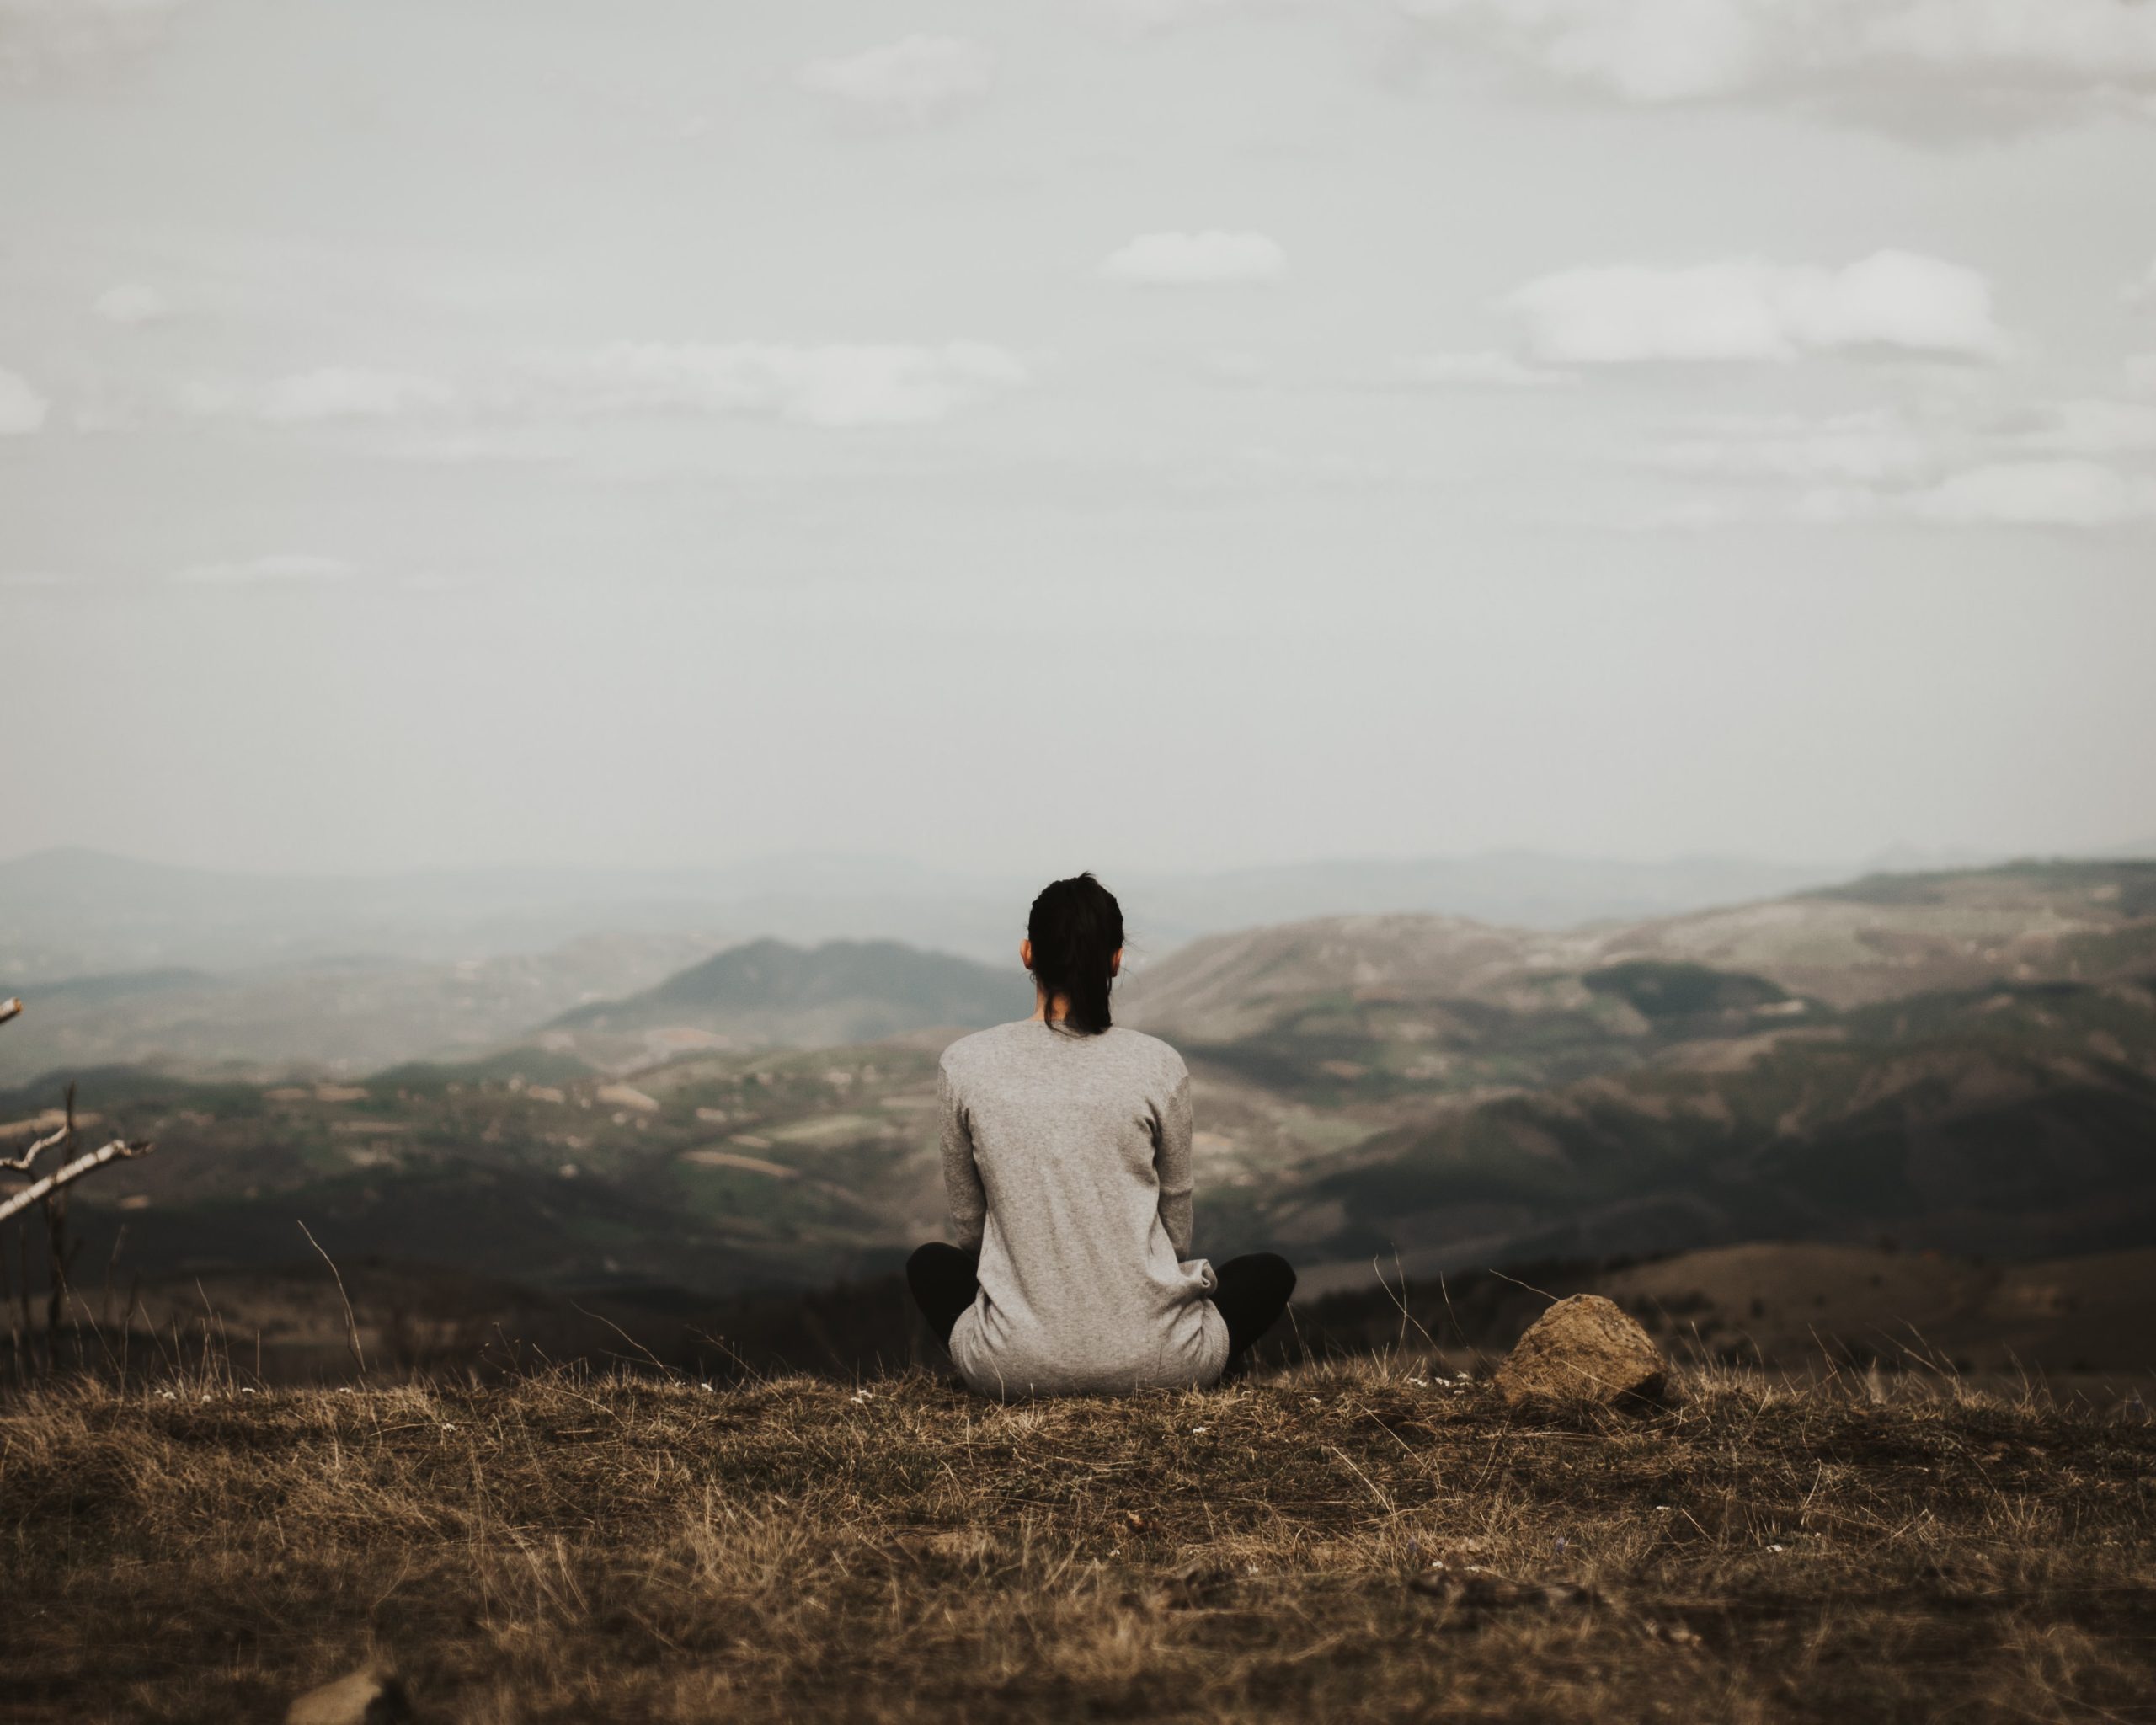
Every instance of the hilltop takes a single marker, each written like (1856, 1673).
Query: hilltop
(769, 992)
(1368, 1540)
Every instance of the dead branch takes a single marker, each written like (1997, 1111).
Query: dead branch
(118, 1150)
(21, 1164)
(64, 1135)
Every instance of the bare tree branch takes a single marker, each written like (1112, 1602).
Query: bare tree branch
(54, 1185)
(66, 1135)
(21, 1164)
(118, 1150)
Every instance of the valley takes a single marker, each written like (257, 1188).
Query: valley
(1961, 1064)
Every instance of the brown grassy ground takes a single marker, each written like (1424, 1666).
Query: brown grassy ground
(570, 1548)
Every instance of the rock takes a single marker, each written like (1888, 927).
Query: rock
(1584, 1348)
(370, 1696)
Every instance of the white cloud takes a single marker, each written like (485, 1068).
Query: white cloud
(2056, 493)
(2089, 427)
(2142, 292)
(42, 37)
(914, 79)
(1871, 446)
(332, 392)
(2069, 496)
(347, 393)
(2141, 373)
(1485, 371)
(2052, 465)
(34, 578)
(1162, 14)
(840, 385)
(131, 303)
(837, 385)
(1208, 259)
(1688, 51)
(1749, 309)
(21, 408)
(280, 568)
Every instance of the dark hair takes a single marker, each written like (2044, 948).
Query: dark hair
(1075, 927)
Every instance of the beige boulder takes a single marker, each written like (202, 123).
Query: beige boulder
(1584, 1348)
(372, 1695)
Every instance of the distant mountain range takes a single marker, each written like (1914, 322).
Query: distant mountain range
(206, 972)
(315, 1008)
(68, 913)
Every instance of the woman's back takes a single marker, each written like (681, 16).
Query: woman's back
(1067, 1158)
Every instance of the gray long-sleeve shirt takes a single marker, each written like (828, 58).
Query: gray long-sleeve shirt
(1067, 1160)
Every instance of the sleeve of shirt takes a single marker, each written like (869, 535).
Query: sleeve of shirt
(961, 1176)
(1172, 1162)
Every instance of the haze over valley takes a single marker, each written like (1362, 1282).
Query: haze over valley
(134, 961)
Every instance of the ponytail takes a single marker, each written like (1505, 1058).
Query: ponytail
(1076, 928)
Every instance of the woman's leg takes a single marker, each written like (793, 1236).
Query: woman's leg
(1252, 1292)
(943, 1280)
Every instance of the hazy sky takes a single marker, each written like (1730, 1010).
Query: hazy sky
(1058, 433)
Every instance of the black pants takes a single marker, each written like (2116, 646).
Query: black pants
(1252, 1292)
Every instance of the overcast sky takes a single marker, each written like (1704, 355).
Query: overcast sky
(1039, 433)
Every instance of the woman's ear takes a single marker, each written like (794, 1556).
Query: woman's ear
(1115, 962)
(1025, 954)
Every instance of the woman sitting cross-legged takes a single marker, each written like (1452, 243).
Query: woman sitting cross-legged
(1067, 1154)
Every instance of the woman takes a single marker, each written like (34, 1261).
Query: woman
(1066, 1154)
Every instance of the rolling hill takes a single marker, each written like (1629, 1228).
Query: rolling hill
(1888, 936)
(1342, 1006)
(2010, 1121)
(770, 993)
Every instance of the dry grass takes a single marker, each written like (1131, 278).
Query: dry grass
(574, 1548)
